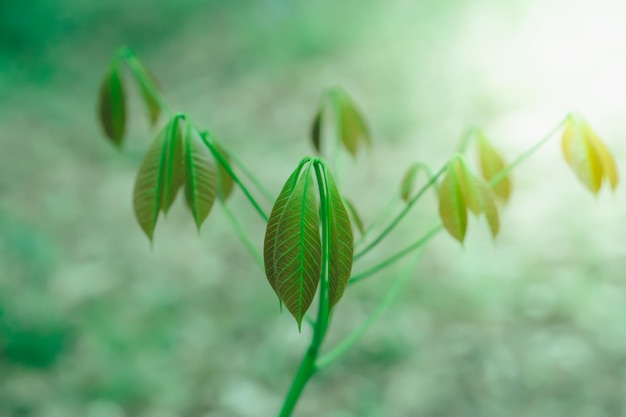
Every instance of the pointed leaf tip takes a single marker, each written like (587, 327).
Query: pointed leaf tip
(112, 105)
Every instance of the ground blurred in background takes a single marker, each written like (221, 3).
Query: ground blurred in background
(94, 323)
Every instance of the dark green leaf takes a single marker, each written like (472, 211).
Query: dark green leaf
(112, 105)
(316, 131)
(174, 165)
(340, 242)
(292, 249)
(147, 86)
(200, 177)
(226, 182)
(350, 124)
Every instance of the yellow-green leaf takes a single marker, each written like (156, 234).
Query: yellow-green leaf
(491, 164)
(292, 248)
(200, 177)
(159, 177)
(609, 168)
(112, 105)
(340, 242)
(452, 205)
(581, 155)
(460, 190)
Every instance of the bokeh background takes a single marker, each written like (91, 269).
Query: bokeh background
(95, 323)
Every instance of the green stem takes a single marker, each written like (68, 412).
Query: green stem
(142, 77)
(399, 255)
(380, 219)
(222, 161)
(307, 366)
(525, 155)
(469, 135)
(494, 181)
(140, 74)
(253, 179)
(243, 235)
(400, 216)
(348, 342)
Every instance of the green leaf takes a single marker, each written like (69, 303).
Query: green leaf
(350, 124)
(587, 155)
(147, 86)
(491, 164)
(174, 164)
(316, 131)
(200, 177)
(159, 177)
(354, 215)
(226, 183)
(461, 190)
(341, 242)
(112, 105)
(452, 206)
(292, 248)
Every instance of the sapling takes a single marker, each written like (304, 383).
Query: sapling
(309, 248)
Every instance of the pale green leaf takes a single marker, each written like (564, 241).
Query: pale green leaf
(200, 177)
(112, 105)
(340, 242)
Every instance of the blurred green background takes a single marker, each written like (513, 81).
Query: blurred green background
(94, 323)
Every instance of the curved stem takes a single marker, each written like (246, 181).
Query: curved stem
(222, 161)
(142, 77)
(399, 255)
(307, 366)
(400, 216)
(525, 155)
(253, 179)
(348, 342)
(380, 219)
